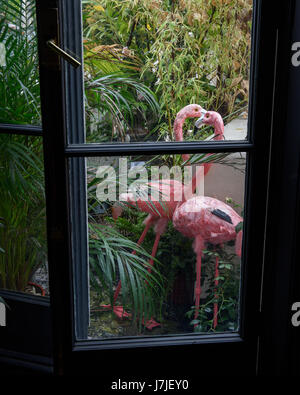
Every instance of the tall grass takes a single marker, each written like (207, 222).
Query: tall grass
(185, 51)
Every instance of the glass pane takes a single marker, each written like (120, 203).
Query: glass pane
(23, 248)
(164, 260)
(19, 75)
(145, 61)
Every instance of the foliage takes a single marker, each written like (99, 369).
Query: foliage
(226, 294)
(111, 260)
(1, 226)
(115, 98)
(188, 50)
(22, 205)
(22, 211)
(172, 248)
(19, 78)
(112, 99)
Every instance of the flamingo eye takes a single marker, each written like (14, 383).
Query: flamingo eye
(206, 115)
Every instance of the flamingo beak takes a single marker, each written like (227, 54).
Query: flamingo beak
(199, 121)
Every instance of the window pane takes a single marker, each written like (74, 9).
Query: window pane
(19, 76)
(23, 264)
(152, 246)
(145, 61)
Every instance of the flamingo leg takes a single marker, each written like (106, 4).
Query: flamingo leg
(215, 322)
(160, 227)
(198, 285)
(154, 251)
(198, 248)
(148, 225)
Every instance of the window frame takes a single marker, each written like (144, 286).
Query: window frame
(36, 351)
(55, 113)
(276, 25)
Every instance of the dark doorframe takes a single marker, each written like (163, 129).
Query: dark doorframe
(280, 341)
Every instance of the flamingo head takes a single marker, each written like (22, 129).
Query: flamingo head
(189, 111)
(212, 118)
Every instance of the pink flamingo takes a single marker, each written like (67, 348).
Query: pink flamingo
(207, 220)
(214, 119)
(159, 215)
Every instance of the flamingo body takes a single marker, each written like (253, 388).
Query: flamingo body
(207, 220)
(198, 216)
(166, 196)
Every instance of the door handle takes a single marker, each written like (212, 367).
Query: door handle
(74, 62)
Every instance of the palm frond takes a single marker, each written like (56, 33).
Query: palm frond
(120, 95)
(19, 79)
(111, 259)
(21, 170)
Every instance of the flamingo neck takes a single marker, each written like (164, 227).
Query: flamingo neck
(178, 130)
(219, 129)
(218, 135)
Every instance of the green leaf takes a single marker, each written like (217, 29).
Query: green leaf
(239, 227)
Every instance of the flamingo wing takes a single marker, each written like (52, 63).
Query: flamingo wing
(221, 214)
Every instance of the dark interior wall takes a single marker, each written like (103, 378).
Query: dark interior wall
(279, 339)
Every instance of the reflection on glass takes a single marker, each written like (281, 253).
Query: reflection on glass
(22, 215)
(165, 244)
(19, 76)
(145, 61)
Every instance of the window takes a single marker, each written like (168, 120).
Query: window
(71, 210)
(24, 284)
(23, 258)
(116, 95)
(163, 286)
